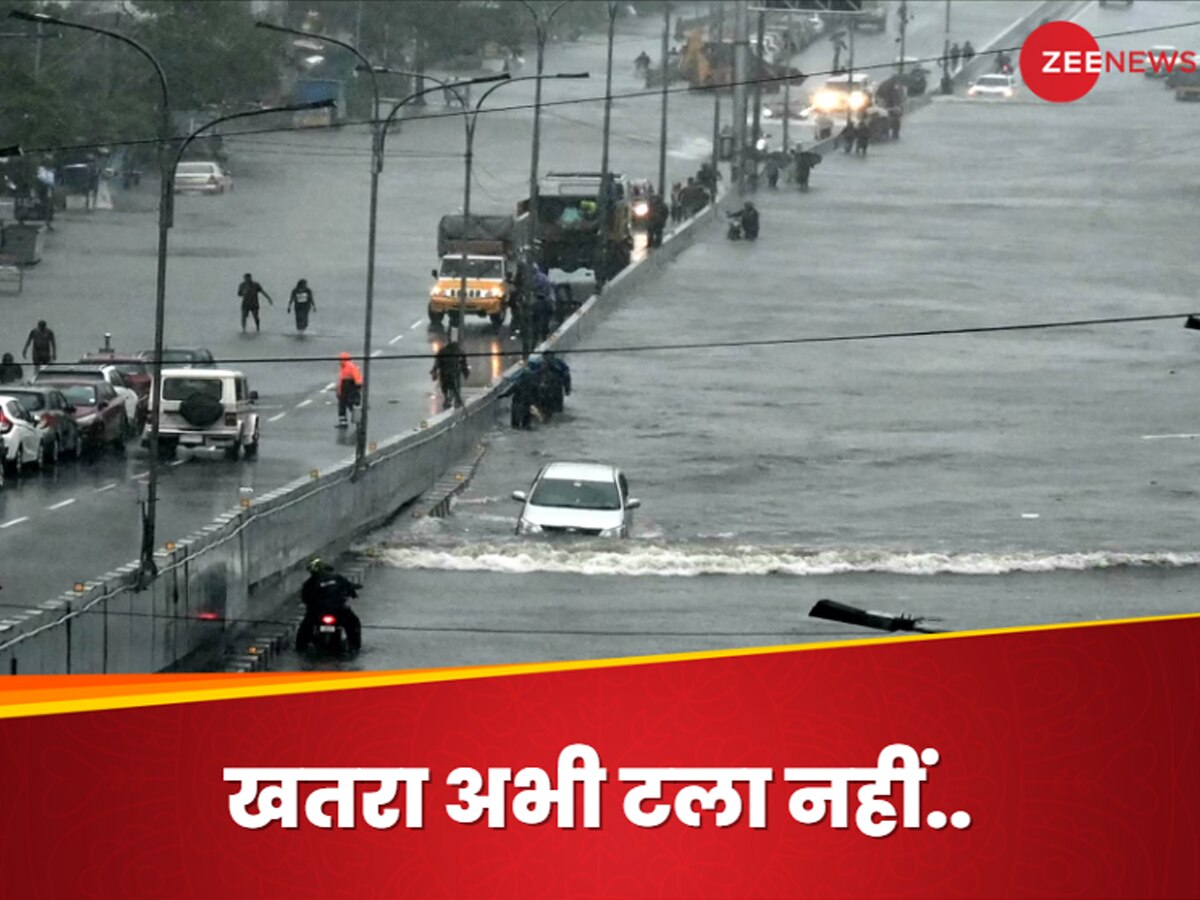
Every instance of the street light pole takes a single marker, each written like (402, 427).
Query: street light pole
(947, 83)
(360, 441)
(540, 29)
(719, 15)
(662, 134)
(165, 215)
(602, 275)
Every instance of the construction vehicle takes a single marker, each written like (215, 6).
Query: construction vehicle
(486, 249)
(570, 233)
(705, 64)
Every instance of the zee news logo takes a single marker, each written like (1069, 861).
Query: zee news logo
(1061, 61)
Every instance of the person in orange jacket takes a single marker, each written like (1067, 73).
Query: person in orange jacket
(349, 388)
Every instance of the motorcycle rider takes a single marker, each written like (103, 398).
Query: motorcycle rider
(325, 591)
(745, 223)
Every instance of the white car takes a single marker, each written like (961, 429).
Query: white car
(206, 408)
(18, 431)
(135, 411)
(996, 85)
(205, 177)
(577, 498)
(842, 91)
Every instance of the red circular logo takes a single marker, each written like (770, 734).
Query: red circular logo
(1060, 61)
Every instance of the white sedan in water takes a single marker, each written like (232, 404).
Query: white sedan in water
(586, 499)
(205, 177)
(996, 85)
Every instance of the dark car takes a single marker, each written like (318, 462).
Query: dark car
(132, 367)
(182, 357)
(99, 412)
(54, 415)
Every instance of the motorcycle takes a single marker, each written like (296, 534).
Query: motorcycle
(737, 229)
(328, 634)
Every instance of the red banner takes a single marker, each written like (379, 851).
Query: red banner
(1055, 762)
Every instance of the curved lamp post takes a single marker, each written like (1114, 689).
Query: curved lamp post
(360, 441)
(165, 216)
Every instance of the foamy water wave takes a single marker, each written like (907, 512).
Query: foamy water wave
(690, 561)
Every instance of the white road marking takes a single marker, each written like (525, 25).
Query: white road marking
(415, 325)
(376, 353)
(329, 387)
(395, 339)
(140, 475)
(277, 418)
(11, 522)
(178, 462)
(107, 487)
(1162, 437)
(303, 403)
(62, 504)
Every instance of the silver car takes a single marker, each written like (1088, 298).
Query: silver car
(577, 498)
(205, 177)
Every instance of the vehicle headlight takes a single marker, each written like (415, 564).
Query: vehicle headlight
(825, 100)
(527, 527)
(641, 208)
(858, 100)
(614, 532)
(1008, 92)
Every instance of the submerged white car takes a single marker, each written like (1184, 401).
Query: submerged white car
(577, 498)
(997, 85)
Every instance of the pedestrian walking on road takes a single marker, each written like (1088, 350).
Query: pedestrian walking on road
(349, 389)
(894, 117)
(862, 138)
(45, 350)
(677, 203)
(302, 300)
(249, 290)
(10, 370)
(968, 53)
(555, 384)
(523, 391)
(955, 53)
(658, 220)
(771, 170)
(849, 133)
(543, 305)
(449, 370)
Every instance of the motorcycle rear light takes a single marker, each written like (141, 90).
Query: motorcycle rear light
(328, 620)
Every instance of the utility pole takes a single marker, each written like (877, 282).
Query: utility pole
(759, 69)
(903, 31)
(662, 136)
(719, 14)
(740, 32)
(602, 274)
(947, 84)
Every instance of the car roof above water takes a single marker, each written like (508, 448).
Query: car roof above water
(193, 374)
(578, 471)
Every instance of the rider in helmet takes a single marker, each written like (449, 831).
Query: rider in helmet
(327, 591)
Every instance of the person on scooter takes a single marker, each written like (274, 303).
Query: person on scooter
(325, 591)
(747, 216)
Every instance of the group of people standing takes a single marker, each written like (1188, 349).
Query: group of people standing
(699, 191)
(302, 302)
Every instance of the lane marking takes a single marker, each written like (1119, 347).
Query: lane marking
(329, 387)
(140, 475)
(415, 325)
(1163, 437)
(303, 403)
(11, 522)
(395, 339)
(62, 504)
(107, 487)
(376, 353)
(178, 462)
(277, 418)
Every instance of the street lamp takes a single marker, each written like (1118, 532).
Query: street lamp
(165, 213)
(360, 442)
(602, 275)
(540, 27)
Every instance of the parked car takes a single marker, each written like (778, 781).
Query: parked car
(54, 417)
(577, 498)
(203, 176)
(997, 85)
(18, 430)
(98, 412)
(181, 357)
(206, 407)
(135, 405)
(132, 368)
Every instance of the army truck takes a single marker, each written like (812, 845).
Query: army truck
(570, 233)
(486, 249)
